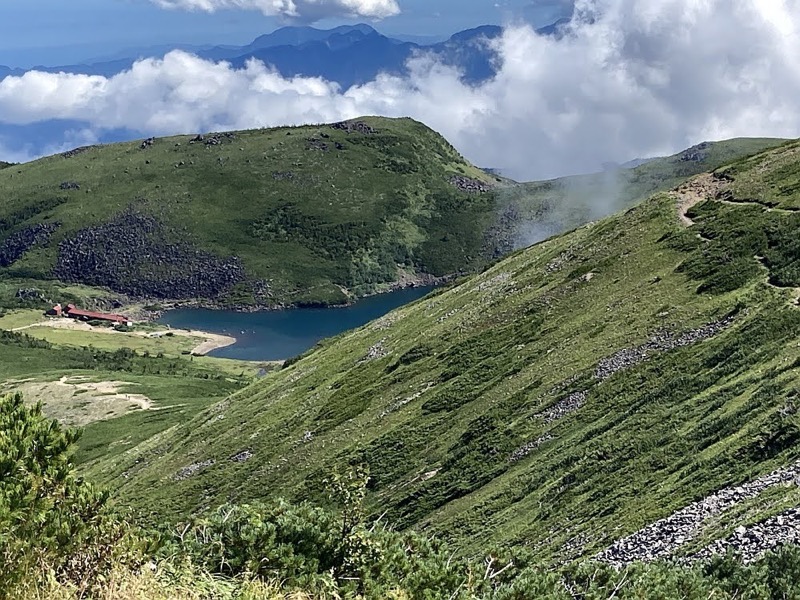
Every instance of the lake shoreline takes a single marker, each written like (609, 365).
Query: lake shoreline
(141, 313)
(213, 341)
(210, 341)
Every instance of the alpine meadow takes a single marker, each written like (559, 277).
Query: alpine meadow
(592, 394)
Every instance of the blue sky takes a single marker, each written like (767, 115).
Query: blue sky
(57, 32)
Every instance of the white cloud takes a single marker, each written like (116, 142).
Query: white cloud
(303, 10)
(631, 78)
(16, 150)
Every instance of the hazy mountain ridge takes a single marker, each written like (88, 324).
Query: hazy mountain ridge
(347, 55)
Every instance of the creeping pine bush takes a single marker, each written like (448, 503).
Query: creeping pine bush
(52, 524)
(326, 553)
(59, 540)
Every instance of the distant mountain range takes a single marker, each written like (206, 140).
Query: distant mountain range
(347, 55)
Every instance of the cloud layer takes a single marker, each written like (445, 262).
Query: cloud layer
(631, 78)
(302, 10)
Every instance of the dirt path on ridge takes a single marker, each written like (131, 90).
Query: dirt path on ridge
(701, 188)
(707, 187)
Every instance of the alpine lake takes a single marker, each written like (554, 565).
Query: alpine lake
(282, 334)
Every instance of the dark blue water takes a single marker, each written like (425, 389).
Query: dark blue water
(281, 334)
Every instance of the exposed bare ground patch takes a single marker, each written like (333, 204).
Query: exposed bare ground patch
(77, 401)
(213, 341)
(699, 189)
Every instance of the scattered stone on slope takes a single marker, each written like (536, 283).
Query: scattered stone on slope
(661, 342)
(751, 543)
(470, 185)
(398, 404)
(662, 538)
(559, 261)
(193, 469)
(529, 447)
(625, 359)
(18, 243)
(242, 456)
(499, 281)
(563, 408)
(69, 185)
(384, 322)
(377, 351)
(31, 295)
(135, 254)
(447, 315)
(316, 144)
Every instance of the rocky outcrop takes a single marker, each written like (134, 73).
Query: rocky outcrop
(31, 295)
(501, 237)
(135, 254)
(663, 538)
(354, 126)
(695, 153)
(242, 456)
(76, 151)
(529, 447)
(376, 351)
(69, 185)
(193, 469)
(314, 143)
(17, 244)
(213, 139)
(470, 185)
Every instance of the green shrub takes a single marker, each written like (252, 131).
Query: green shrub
(52, 524)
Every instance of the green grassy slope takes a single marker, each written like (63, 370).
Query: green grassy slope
(267, 217)
(544, 208)
(563, 398)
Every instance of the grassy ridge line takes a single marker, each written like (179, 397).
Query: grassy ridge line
(312, 212)
(479, 408)
(565, 203)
